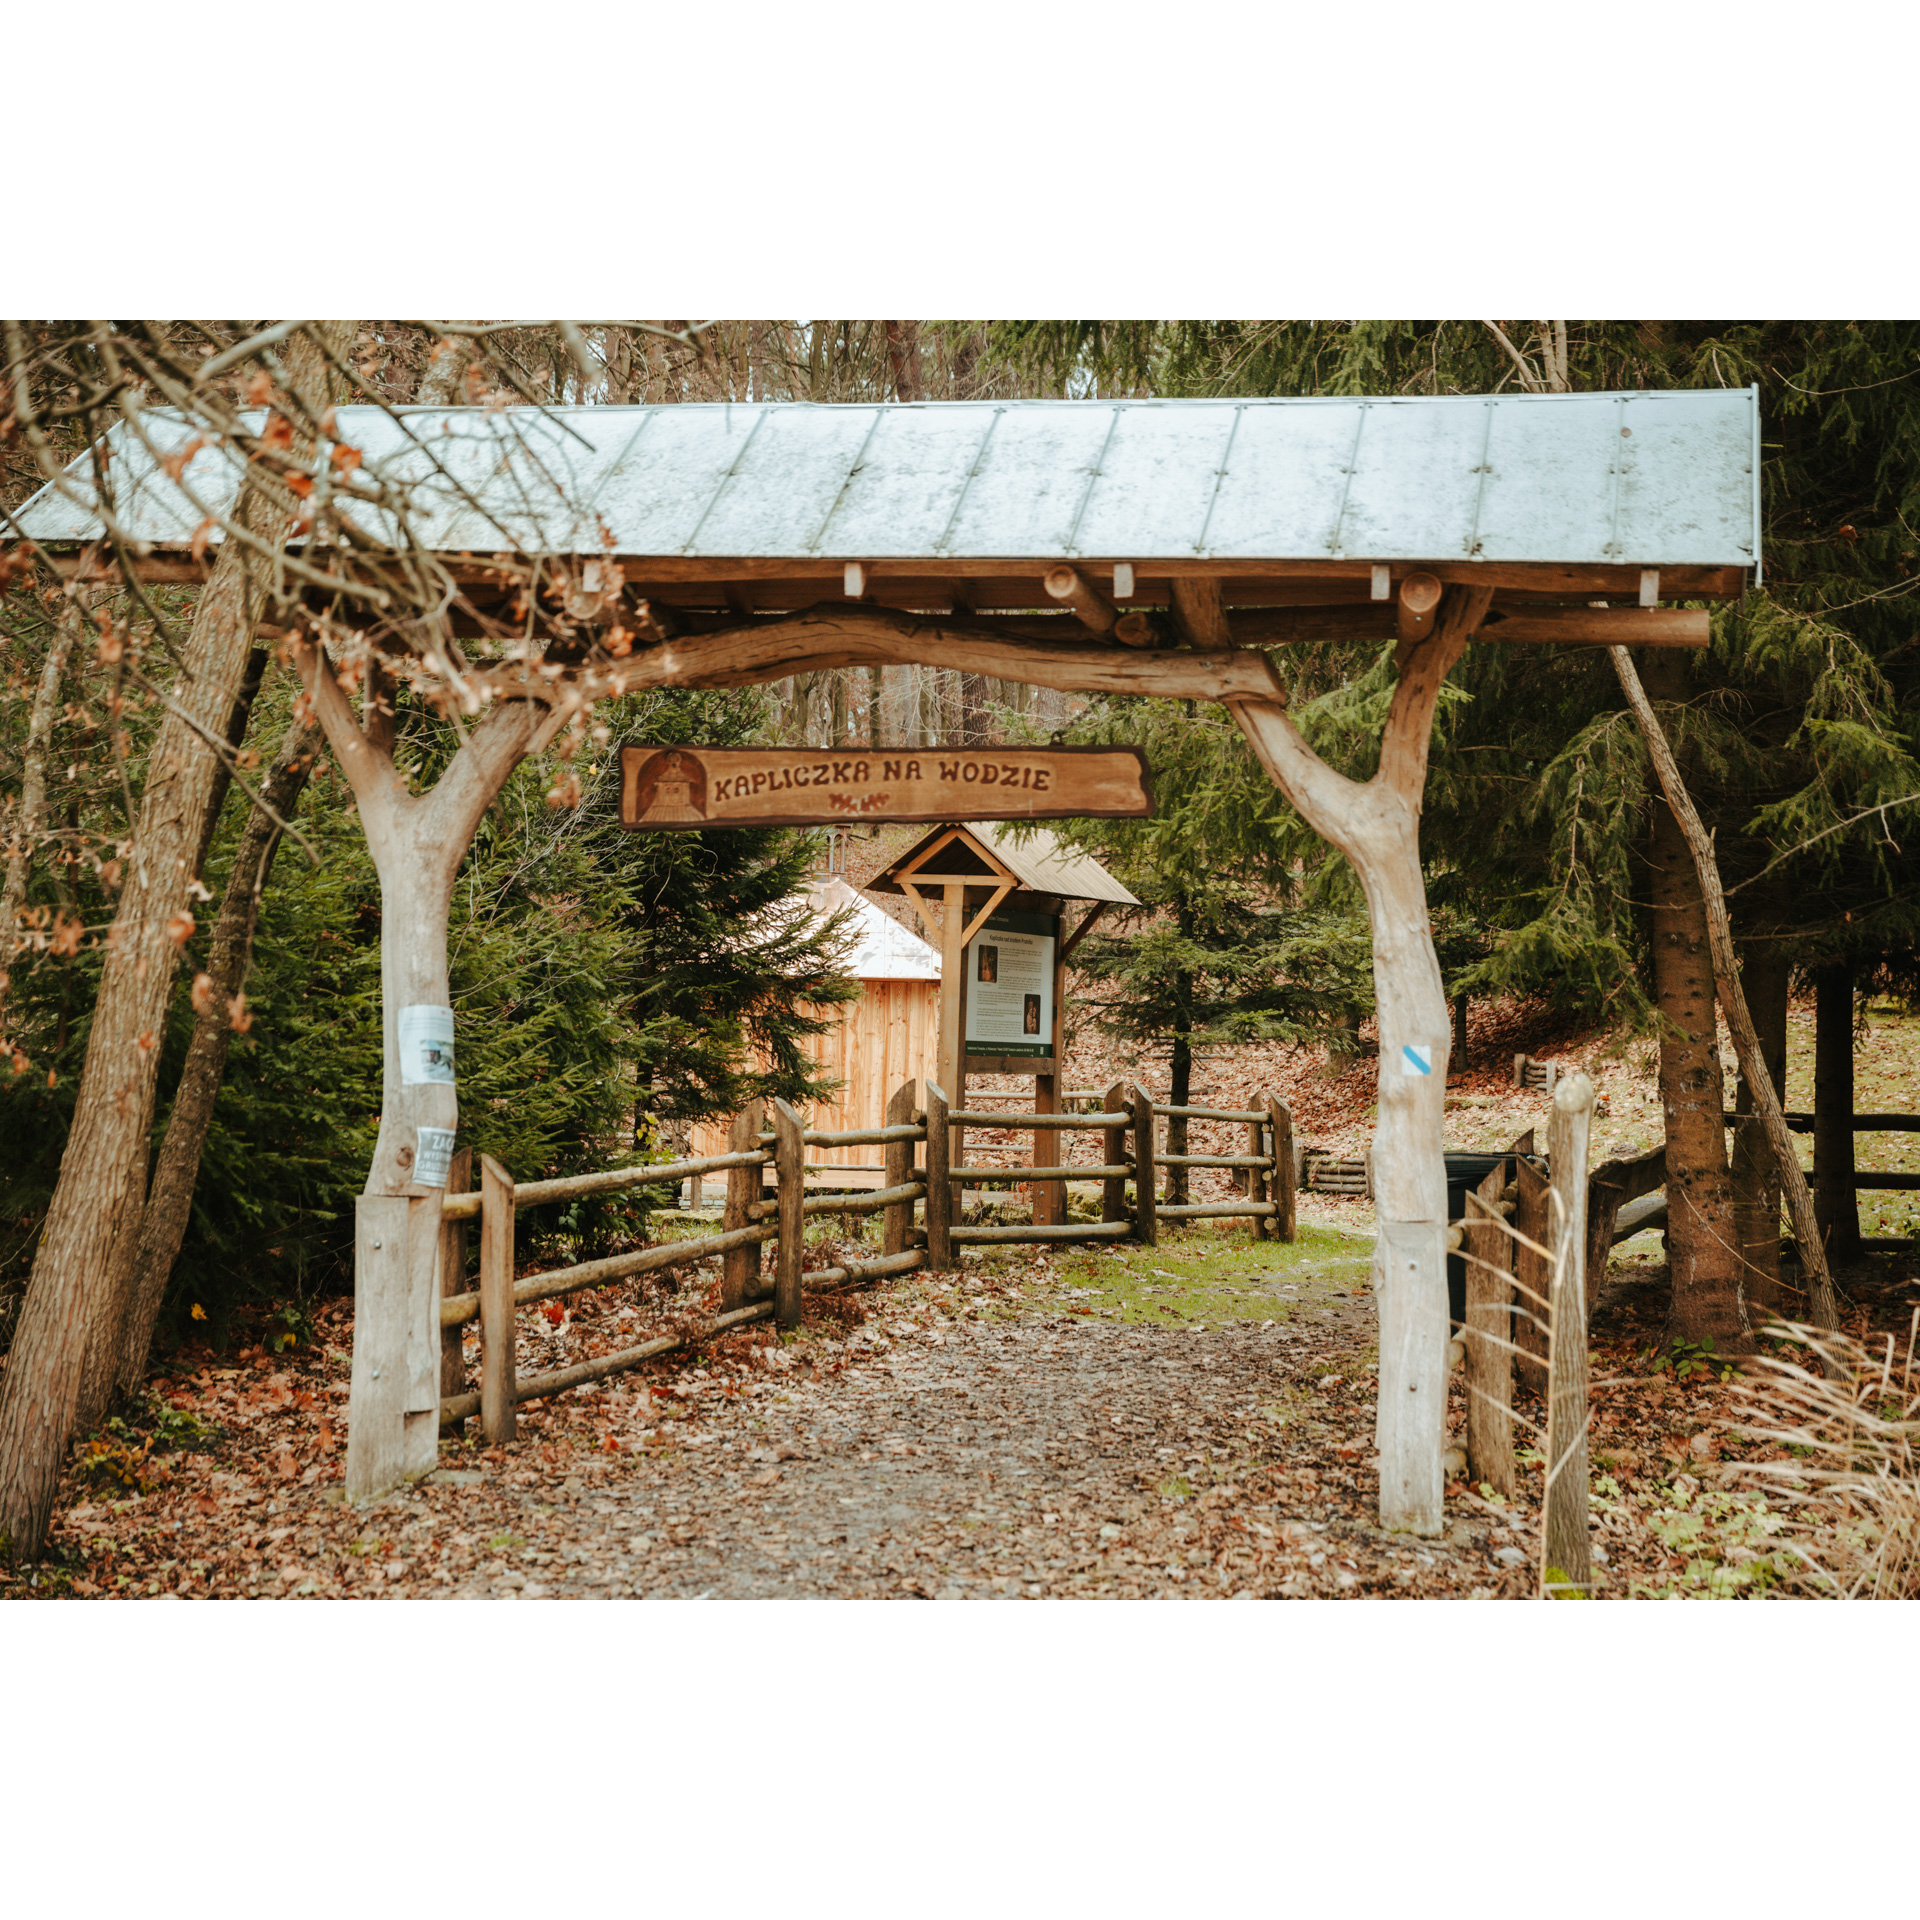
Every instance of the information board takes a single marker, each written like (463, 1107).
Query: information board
(1010, 986)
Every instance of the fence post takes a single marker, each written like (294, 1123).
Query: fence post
(1568, 1549)
(788, 1155)
(1146, 1223)
(1530, 1270)
(898, 1221)
(1286, 1173)
(453, 1272)
(1049, 1197)
(1489, 1332)
(740, 1266)
(939, 1187)
(1113, 1150)
(496, 1303)
(1256, 1182)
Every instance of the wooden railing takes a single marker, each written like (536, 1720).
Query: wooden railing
(920, 1174)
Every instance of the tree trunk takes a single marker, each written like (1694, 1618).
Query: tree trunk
(417, 843)
(1731, 996)
(68, 623)
(1377, 826)
(66, 1348)
(236, 734)
(1756, 1178)
(903, 359)
(1836, 1205)
(163, 1225)
(965, 357)
(974, 731)
(444, 382)
(876, 687)
(1181, 1078)
(1702, 1237)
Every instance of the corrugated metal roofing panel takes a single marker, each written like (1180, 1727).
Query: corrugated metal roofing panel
(1035, 859)
(883, 949)
(1573, 479)
(1043, 866)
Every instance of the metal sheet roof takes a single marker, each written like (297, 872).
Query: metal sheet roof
(1651, 479)
(882, 948)
(1034, 858)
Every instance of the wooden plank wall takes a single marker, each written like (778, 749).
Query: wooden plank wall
(890, 1034)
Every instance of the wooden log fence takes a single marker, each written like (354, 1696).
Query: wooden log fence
(774, 1136)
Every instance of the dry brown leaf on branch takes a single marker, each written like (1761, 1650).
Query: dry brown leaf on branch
(174, 464)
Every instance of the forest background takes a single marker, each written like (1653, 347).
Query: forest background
(611, 987)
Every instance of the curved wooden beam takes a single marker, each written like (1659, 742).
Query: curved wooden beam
(839, 636)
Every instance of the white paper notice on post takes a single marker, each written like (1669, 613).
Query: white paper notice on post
(426, 1046)
(435, 1151)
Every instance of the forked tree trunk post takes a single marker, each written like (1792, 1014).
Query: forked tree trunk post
(1377, 826)
(417, 842)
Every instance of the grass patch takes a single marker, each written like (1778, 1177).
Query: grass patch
(1203, 1277)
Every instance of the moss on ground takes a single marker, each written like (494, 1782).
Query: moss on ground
(1197, 1276)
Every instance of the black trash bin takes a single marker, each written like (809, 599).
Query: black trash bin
(1465, 1171)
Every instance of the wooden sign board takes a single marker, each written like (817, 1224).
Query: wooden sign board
(798, 787)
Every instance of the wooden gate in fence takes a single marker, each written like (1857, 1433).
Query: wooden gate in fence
(925, 1170)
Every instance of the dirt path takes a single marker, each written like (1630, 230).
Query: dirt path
(1189, 1420)
(1050, 1456)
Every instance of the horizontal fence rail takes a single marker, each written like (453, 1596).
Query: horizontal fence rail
(923, 1172)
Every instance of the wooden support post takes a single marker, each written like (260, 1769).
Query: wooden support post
(496, 1303)
(953, 988)
(740, 1266)
(939, 1187)
(1257, 1180)
(453, 1279)
(1530, 1273)
(1419, 602)
(1198, 613)
(898, 1158)
(1146, 1222)
(789, 1171)
(1049, 1150)
(1489, 1333)
(1113, 1193)
(1286, 1179)
(1090, 606)
(1049, 1196)
(1567, 1567)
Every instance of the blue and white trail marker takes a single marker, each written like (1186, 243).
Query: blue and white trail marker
(1414, 1061)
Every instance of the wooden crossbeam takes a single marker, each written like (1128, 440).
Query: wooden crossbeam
(1350, 579)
